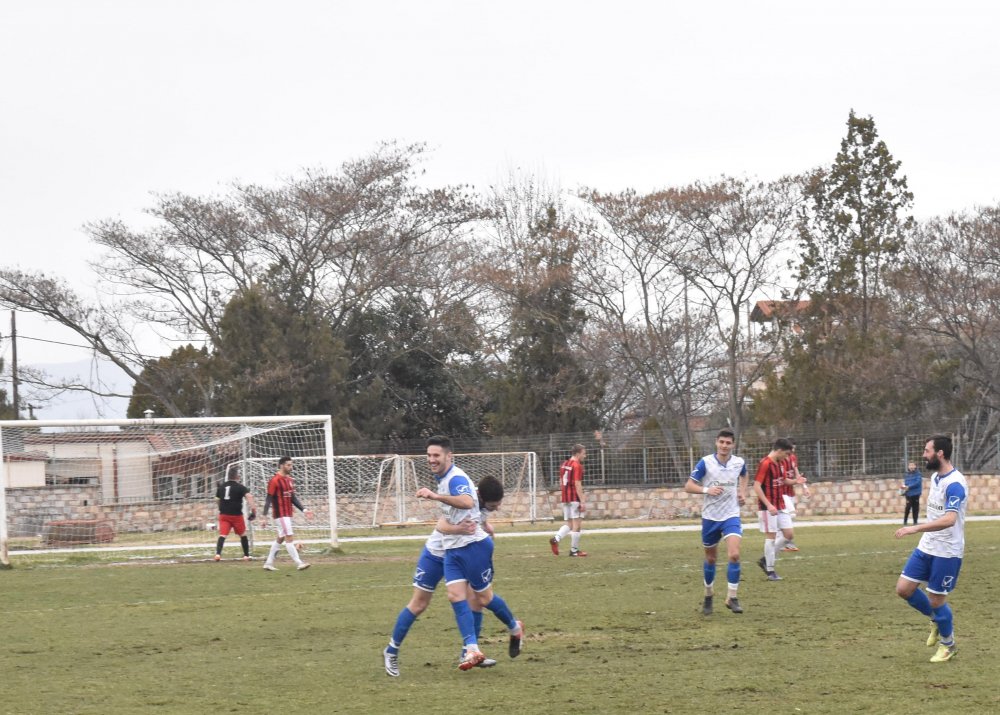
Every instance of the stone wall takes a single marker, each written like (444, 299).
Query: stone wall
(29, 509)
(855, 497)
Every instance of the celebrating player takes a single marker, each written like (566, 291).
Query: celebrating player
(281, 496)
(938, 557)
(468, 559)
(430, 570)
(230, 495)
(768, 485)
(571, 491)
(717, 476)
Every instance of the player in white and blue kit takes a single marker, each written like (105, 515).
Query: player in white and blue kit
(722, 478)
(468, 561)
(429, 572)
(937, 559)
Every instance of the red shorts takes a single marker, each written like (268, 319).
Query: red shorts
(228, 522)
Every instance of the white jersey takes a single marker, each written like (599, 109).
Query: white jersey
(710, 472)
(948, 492)
(456, 482)
(435, 544)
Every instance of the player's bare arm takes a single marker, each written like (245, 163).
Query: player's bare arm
(461, 501)
(759, 491)
(693, 487)
(943, 522)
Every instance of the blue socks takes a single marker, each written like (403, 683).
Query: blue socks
(465, 621)
(709, 571)
(733, 572)
(920, 601)
(402, 627)
(942, 616)
(501, 611)
(477, 621)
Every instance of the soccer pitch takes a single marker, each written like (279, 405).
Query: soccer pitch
(618, 632)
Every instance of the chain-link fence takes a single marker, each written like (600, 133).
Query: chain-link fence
(661, 458)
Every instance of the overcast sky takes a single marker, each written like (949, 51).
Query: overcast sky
(103, 104)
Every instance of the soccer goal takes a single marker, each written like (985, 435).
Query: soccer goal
(395, 500)
(150, 483)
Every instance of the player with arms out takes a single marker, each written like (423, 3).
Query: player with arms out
(430, 571)
(281, 497)
(571, 493)
(768, 485)
(938, 557)
(722, 478)
(468, 558)
(231, 494)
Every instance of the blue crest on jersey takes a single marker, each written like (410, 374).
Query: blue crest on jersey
(463, 489)
(954, 501)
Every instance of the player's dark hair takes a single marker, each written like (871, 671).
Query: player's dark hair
(490, 489)
(439, 440)
(283, 460)
(726, 433)
(234, 473)
(782, 443)
(942, 443)
(791, 442)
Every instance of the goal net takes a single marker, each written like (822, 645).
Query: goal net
(151, 483)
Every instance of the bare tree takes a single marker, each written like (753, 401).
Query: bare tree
(950, 291)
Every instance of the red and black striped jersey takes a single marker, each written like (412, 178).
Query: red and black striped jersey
(570, 473)
(769, 476)
(281, 489)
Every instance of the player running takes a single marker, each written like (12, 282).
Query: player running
(938, 557)
(430, 571)
(722, 478)
(468, 560)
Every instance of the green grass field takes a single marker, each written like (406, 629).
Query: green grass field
(618, 632)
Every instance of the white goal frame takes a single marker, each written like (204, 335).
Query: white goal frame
(93, 425)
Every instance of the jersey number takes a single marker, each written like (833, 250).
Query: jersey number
(226, 497)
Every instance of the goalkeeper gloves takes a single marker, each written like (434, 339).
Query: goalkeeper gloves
(253, 515)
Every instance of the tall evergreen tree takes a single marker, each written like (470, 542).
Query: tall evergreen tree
(544, 388)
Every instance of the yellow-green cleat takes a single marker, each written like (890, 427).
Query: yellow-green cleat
(944, 652)
(932, 639)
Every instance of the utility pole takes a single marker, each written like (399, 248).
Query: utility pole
(13, 364)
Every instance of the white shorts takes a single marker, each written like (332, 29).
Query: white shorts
(789, 505)
(283, 524)
(572, 510)
(771, 524)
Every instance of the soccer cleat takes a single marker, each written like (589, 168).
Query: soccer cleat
(269, 567)
(790, 547)
(391, 663)
(246, 558)
(932, 639)
(706, 608)
(303, 566)
(487, 663)
(577, 552)
(471, 660)
(772, 576)
(944, 652)
(514, 648)
(733, 604)
(554, 545)
(218, 557)
(762, 562)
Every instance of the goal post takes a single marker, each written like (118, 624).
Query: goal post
(150, 483)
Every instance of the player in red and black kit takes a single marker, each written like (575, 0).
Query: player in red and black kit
(768, 484)
(571, 491)
(230, 495)
(784, 541)
(281, 497)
